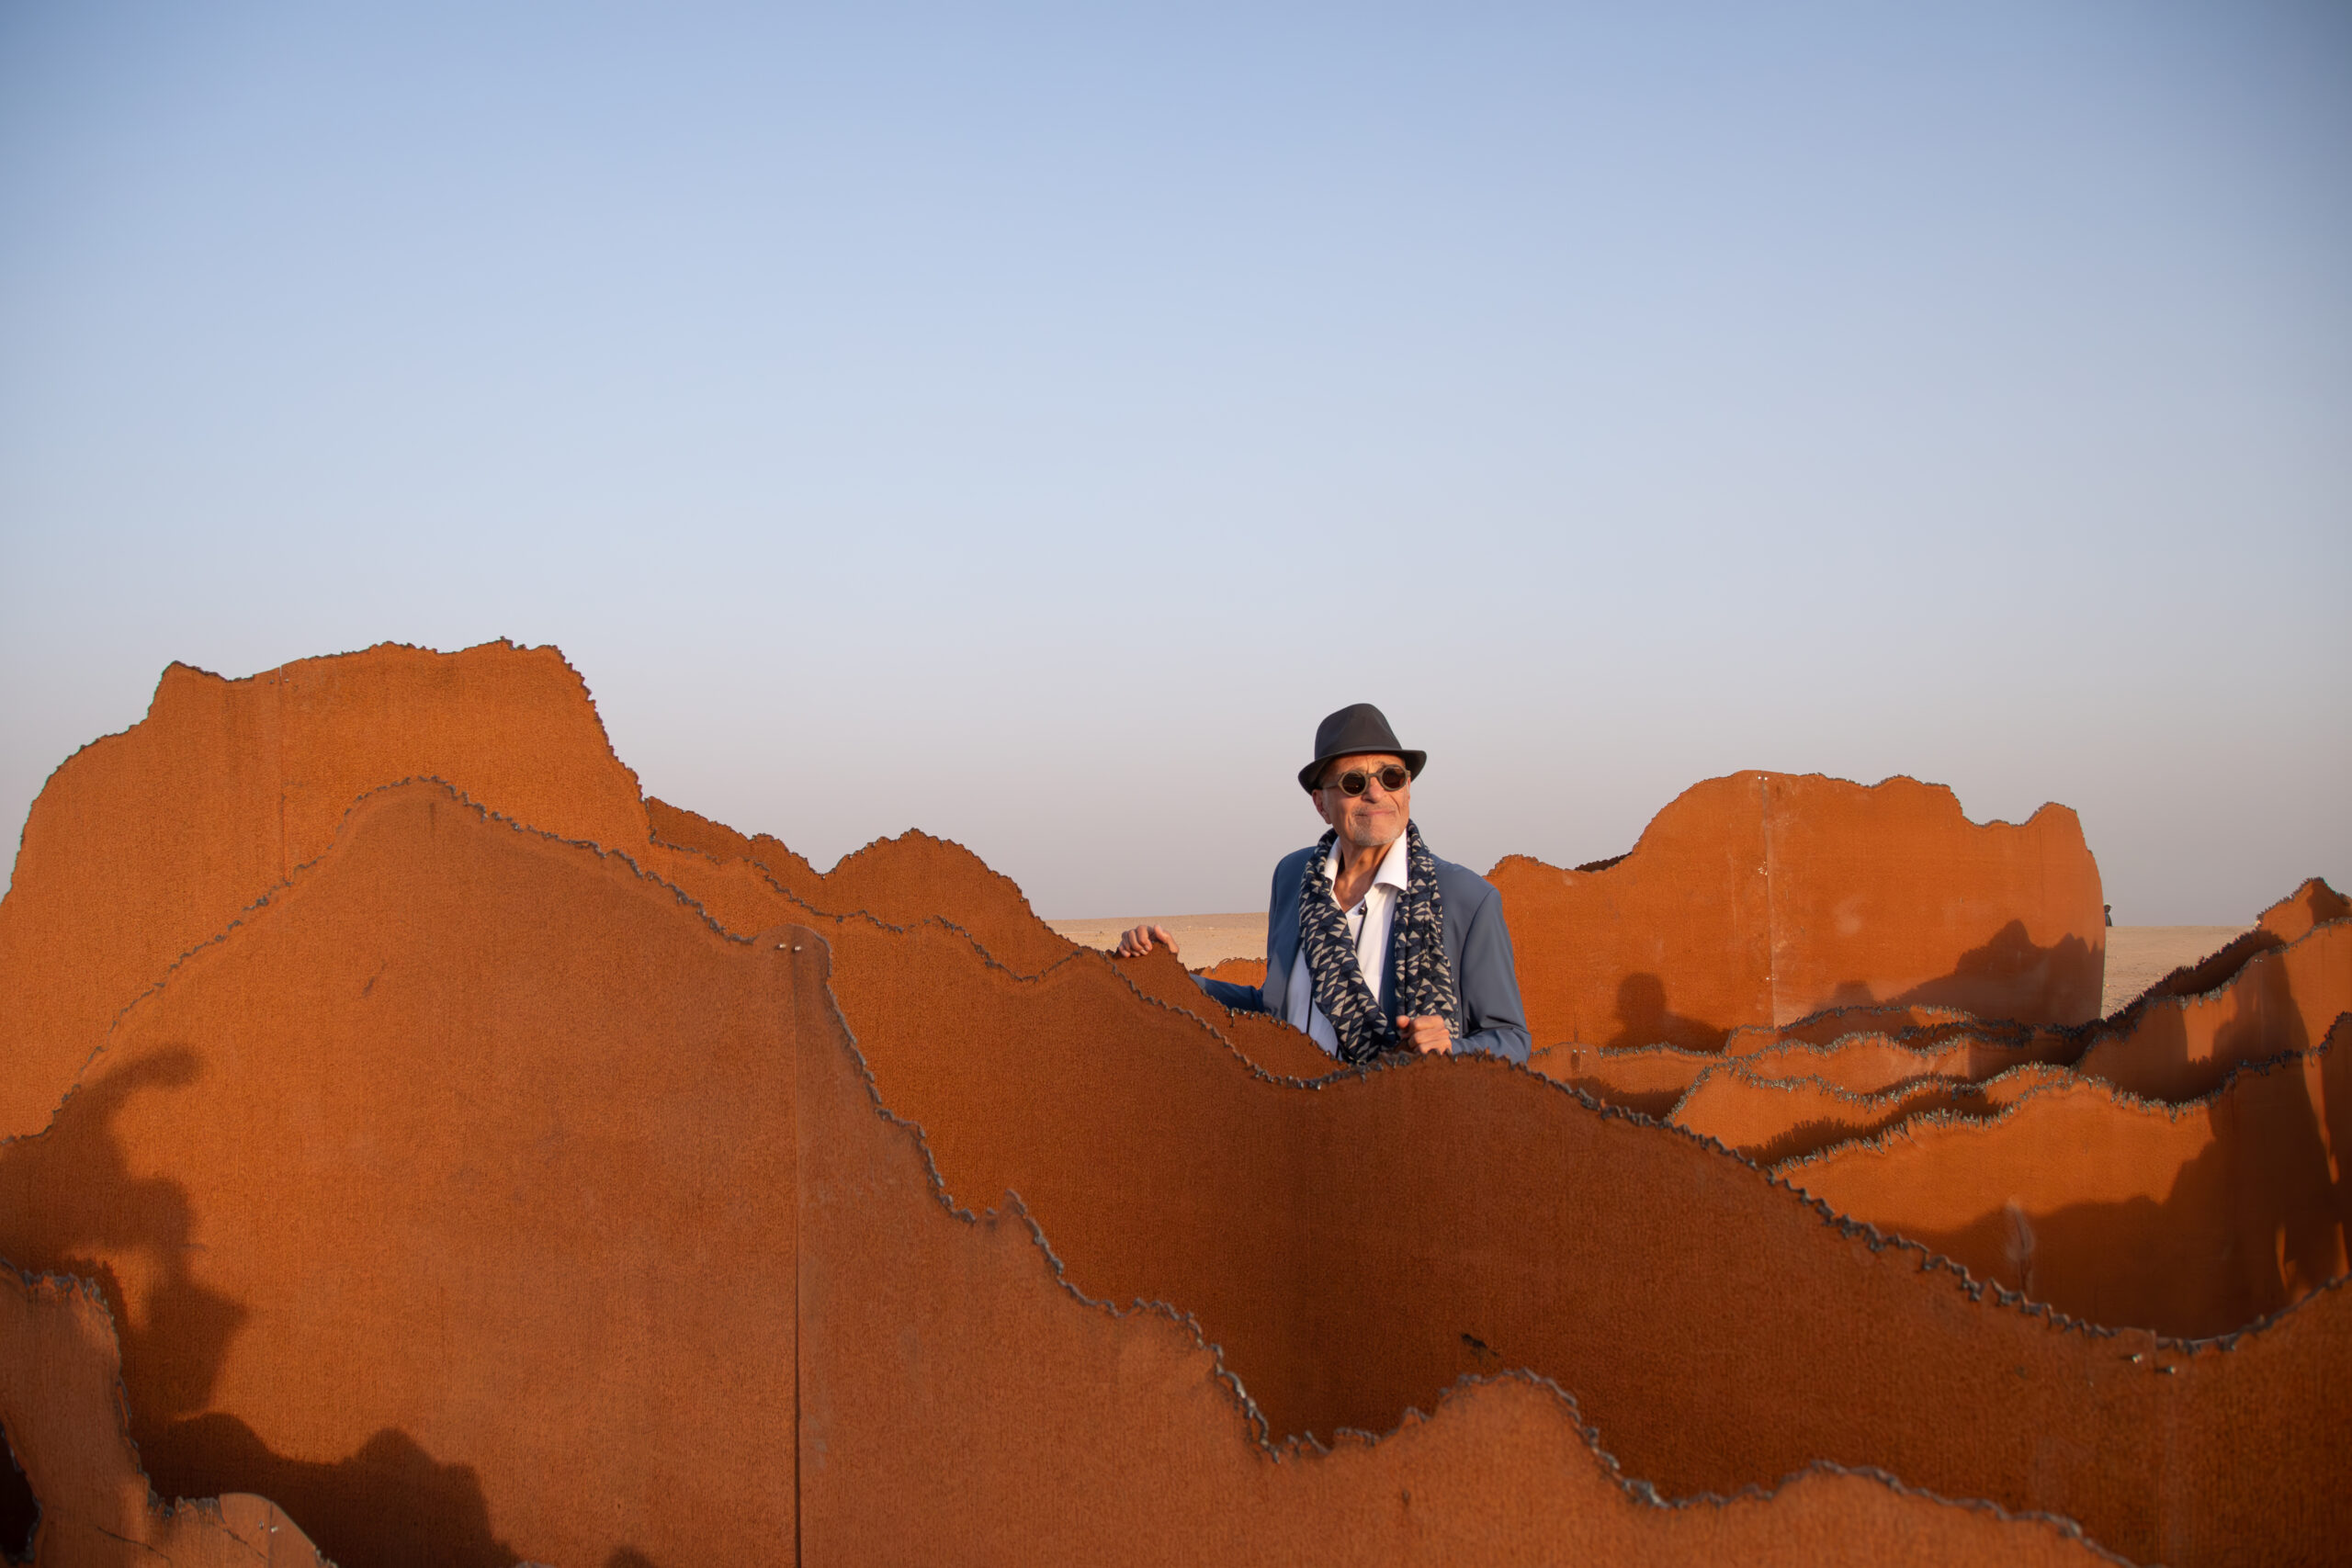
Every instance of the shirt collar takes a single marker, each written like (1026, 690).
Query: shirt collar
(1395, 866)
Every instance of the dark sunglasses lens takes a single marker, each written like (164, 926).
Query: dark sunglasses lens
(1355, 780)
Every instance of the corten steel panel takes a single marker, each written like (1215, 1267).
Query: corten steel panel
(1759, 898)
(62, 1408)
(2314, 904)
(1915, 1026)
(1357, 1246)
(2191, 1220)
(370, 716)
(1774, 1120)
(1268, 1043)
(145, 843)
(1238, 970)
(1868, 1064)
(1648, 1078)
(2274, 990)
(2180, 1047)
(2289, 919)
(447, 1200)
(899, 882)
(960, 1405)
(962, 895)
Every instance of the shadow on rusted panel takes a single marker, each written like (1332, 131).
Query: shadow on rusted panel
(447, 1200)
(961, 1401)
(83, 1499)
(1358, 1246)
(1758, 899)
(2192, 1220)
(144, 844)
(444, 1190)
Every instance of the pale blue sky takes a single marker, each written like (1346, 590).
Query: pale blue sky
(1024, 422)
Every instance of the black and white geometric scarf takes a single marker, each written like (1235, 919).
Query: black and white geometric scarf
(1420, 976)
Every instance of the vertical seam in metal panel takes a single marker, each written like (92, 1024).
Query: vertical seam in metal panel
(1772, 916)
(800, 965)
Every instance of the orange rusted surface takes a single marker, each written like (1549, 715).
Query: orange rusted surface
(2314, 904)
(479, 1195)
(900, 881)
(146, 843)
(1914, 1026)
(1237, 971)
(1865, 1063)
(1356, 1248)
(914, 876)
(2275, 990)
(1647, 1078)
(1758, 899)
(1007, 1420)
(1267, 1044)
(2289, 919)
(2191, 1220)
(447, 1200)
(1770, 1120)
(2179, 1047)
(62, 1413)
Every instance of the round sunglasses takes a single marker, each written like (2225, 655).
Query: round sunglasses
(1355, 780)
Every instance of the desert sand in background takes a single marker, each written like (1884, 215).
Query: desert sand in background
(2137, 956)
(1201, 940)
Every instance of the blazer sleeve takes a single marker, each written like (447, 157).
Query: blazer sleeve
(1493, 1018)
(1241, 999)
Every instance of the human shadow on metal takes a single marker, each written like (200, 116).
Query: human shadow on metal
(2011, 975)
(19, 1510)
(67, 1193)
(1644, 1019)
(390, 1504)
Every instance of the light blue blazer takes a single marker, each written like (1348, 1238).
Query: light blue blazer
(1477, 944)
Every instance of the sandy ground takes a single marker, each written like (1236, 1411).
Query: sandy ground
(2137, 956)
(1201, 940)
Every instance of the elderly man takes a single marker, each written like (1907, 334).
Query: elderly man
(1373, 943)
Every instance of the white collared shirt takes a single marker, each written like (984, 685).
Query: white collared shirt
(1368, 922)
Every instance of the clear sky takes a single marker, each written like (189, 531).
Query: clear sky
(1023, 422)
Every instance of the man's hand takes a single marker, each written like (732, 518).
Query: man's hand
(1137, 943)
(1424, 1034)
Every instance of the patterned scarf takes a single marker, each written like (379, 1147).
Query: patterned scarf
(1420, 976)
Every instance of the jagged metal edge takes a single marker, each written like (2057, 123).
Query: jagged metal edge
(2124, 1099)
(1876, 1239)
(1878, 1098)
(1306, 1447)
(587, 695)
(1077, 952)
(89, 1289)
(1253, 1419)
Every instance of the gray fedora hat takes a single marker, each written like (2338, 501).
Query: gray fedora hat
(1358, 728)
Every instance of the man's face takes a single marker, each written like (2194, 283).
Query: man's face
(1373, 820)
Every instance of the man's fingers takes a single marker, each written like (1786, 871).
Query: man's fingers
(1134, 943)
(1425, 1034)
